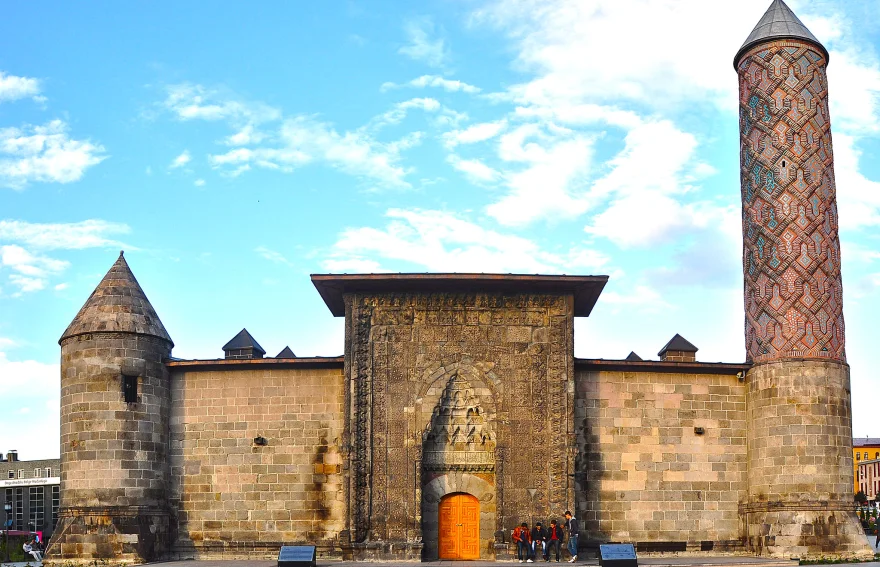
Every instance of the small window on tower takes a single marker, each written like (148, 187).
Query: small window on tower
(130, 389)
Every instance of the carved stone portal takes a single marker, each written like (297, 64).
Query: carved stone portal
(458, 457)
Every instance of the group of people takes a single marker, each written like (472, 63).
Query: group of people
(549, 538)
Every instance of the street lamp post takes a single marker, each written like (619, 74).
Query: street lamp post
(7, 508)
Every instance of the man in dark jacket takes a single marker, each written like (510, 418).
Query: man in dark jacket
(539, 539)
(574, 529)
(555, 535)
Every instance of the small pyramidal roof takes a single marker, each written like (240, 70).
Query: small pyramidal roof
(243, 340)
(286, 353)
(118, 305)
(779, 22)
(633, 357)
(678, 343)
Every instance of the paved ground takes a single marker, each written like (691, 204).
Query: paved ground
(705, 561)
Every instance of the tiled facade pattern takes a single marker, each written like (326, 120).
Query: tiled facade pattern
(791, 257)
(232, 497)
(648, 473)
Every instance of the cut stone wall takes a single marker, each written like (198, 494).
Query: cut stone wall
(402, 350)
(114, 465)
(644, 474)
(234, 498)
(800, 500)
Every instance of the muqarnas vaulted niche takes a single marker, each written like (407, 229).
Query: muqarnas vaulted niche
(799, 500)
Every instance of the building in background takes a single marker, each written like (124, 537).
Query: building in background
(869, 478)
(864, 449)
(34, 490)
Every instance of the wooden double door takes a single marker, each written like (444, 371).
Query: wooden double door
(459, 527)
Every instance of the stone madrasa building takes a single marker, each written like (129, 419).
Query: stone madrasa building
(458, 408)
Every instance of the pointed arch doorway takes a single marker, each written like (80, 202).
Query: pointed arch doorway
(459, 527)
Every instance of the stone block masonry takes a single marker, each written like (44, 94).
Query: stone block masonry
(234, 498)
(646, 474)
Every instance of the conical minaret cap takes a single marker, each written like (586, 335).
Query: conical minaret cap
(118, 305)
(779, 22)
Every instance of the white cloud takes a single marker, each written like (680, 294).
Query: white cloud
(272, 256)
(61, 287)
(434, 81)
(36, 385)
(647, 185)
(549, 182)
(181, 160)
(575, 50)
(195, 102)
(444, 242)
(14, 88)
(858, 197)
(474, 133)
(400, 110)
(31, 271)
(44, 153)
(422, 45)
(474, 169)
(199, 183)
(63, 236)
(17, 258)
(246, 136)
(307, 140)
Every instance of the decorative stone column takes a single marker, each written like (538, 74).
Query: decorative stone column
(800, 500)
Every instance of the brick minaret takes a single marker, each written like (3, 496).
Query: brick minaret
(114, 428)
(800, 500)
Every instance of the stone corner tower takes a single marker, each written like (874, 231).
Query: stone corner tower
(114, 427)
(799, 501)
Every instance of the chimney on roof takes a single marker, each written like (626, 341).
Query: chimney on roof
(243, 345)
(12, 456)
(678, 349)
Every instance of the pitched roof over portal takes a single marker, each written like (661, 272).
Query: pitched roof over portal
(243, 340)
(779, 22)
(333, 287)
(118, 305)
(678, 343)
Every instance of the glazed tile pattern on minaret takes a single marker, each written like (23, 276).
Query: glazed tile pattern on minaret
(791, 256)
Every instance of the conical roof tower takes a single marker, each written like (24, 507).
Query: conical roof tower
(779, 22)
(118, 304)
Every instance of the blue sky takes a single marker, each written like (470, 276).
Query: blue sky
(232, 149)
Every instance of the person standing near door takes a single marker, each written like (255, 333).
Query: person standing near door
(574, 529)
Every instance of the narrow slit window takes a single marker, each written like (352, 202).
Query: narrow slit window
(130, 389)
